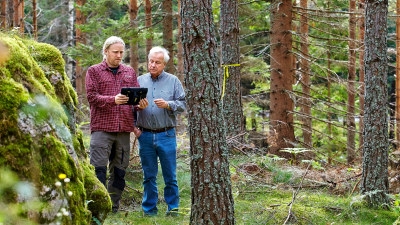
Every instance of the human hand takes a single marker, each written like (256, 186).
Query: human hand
(143, 103)
(121, 99)
(137, 132)
(161, 103)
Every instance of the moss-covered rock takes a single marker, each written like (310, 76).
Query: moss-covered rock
(39, 140)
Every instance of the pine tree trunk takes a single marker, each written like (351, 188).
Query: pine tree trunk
(168, 38)
(374, 182)
(134, 48)
(3, 18)
(80, 73)
(18, 16)
(34, 19)
(282, 73)
(305, 74)
(361, 72)
(398, 76)
(351, 92)
(179, 52)
(10, 14)
(212, 201)
(232, 95)
(148, 24)
(69, 62)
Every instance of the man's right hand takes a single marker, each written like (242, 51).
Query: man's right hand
(137, 132)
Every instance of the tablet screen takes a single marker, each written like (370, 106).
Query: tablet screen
(134, 94)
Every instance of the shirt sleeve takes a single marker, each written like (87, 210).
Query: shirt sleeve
(92, 93)
(178, 105)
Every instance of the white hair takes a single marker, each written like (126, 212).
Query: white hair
(159, 49)
(111, 40)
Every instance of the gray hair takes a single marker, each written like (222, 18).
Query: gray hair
(111, 40)
(159, 49)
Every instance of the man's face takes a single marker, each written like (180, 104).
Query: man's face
(156, 64)
(114, 54)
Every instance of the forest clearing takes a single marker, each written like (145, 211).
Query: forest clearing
(267, 192)
(292, 110)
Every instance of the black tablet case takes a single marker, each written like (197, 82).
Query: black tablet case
(134, 94)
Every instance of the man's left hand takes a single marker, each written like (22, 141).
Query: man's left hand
(143, 103)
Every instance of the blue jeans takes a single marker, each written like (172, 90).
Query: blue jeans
(154, 146)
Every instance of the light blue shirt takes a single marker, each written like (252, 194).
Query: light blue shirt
(167, 87)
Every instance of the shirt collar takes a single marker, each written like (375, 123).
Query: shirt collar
(159, 77)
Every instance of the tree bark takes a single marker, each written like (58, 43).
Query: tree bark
(10, 14)
(34, 19)
(3, 18)
(69, 62)
(212, 201)
(282, 73)
(80, 72)
(179, 52)
(374, 182)
(305, 74)
(361, 72)
(133, 51)
(232, 96)
(398, 76)
(148, 24)
(168, 38)
(18, 16)
(351, 92)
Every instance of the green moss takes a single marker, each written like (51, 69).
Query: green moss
(79, 144)
(12, 96)
(52, 63)
(38, 135)
(24, 69)
(58, 161)
(77, 187)
(98, 201)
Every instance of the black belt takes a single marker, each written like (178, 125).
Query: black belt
(155, 130)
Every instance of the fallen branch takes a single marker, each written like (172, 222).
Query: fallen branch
(295, 194)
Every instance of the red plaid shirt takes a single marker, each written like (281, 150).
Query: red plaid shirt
(101, 87)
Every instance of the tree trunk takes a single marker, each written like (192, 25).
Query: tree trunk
(231, 92)
(361, 48)
(80, 39)
(374, 183)
(69, 62)
(305, 74)
(134, 48)
(18, 16)
(34, 19)
(282, 73)
(10, 14)
(148, 24)
(179, 52)
(351, 92)
(398, 76)
(329, 97)
(168, 38)
(3, 18)
(212, 201)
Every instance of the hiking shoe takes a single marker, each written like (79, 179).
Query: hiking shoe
(151, 213)
(114, 209)
(172, 212)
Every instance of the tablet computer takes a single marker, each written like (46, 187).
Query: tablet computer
(134, 94)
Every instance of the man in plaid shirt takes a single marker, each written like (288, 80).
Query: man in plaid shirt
(111, 121)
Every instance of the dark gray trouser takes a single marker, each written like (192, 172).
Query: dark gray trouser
(110, 150)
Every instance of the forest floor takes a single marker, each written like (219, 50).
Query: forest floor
(265, 192)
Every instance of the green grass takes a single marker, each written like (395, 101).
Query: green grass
(257, 201)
